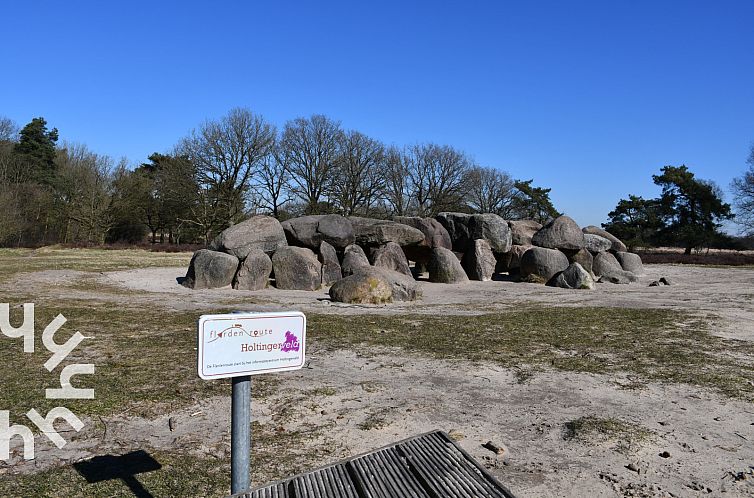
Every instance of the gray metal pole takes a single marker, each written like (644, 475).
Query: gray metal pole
(240, 434)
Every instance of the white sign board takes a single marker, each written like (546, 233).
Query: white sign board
(238, 344)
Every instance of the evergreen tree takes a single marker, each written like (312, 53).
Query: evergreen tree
(533, 203)
(636, 221)
(36, 146)
(692, 210)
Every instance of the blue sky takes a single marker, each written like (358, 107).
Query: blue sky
(589, 98)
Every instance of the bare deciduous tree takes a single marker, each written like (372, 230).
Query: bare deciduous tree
(226, 154)
(490, 190)
(8, 130)
(436, 178)
(743, 192)
(360, 173)
(271, 182)
(396, 191)
(311, 146)
(84, 181)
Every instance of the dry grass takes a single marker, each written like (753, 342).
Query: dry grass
(146, 365)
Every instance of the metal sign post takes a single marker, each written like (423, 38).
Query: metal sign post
(240, 434)
(237, 346)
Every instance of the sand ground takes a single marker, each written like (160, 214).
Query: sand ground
(709, 438)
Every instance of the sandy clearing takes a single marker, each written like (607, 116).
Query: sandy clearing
(708, 437)
(380, 396)
(725, 293)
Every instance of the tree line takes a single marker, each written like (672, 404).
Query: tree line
(230, 168)
(689, 213)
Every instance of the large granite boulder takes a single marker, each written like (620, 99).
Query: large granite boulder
(573, 277)
(605, 263)
(540, 264)
(583, 258)
(362, 288)
(630, 262)
(391, 257)
(445, 268)
(370, 232)
(457, 226)
(560, 233)
(331, 270)
(364, 282)
(597, 243)
(258, 232)
(296, 268)
(435, 235)
(353, 257)
(511, 260)
(466, 228)
(493, 229)
(210, 269)
(617, 245)
(609, 269)
(522, 231)
(479, 261)
(310, 231)
(254, 272)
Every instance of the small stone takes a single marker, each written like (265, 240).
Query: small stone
(634, 467)
(497, 449)
(665, 281)
(456, 435)
(665, 454)
(654, 283)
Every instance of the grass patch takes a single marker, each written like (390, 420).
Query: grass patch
(14, 261)
(145, 361)
(586, 428)
(276, 453)
(653, 344)
(172, 479)
(375, 420)
(596, 430)
(323, 391)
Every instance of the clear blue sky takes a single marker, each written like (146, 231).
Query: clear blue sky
(588, 97)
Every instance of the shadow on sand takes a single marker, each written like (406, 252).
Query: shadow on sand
(123, 467)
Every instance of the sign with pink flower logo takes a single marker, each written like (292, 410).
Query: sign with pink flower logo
(239, 344)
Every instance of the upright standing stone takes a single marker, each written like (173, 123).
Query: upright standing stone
(583, 258)
(573, 277)
(331, 271)
(607, 266)
(210, 269)
(540, 264)
(296, 268)
(353, 258)
(630, 262)
(254, 272)
(391, 257)
(445, 268)
(479, 261)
